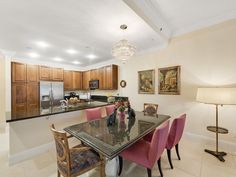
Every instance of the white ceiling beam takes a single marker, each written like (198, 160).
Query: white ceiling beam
(148, 11)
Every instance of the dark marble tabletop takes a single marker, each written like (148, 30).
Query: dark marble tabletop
(111, 140)
(11, 117)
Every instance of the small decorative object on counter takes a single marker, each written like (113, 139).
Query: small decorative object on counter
(112, 118)
(131, 112)
(121, 105)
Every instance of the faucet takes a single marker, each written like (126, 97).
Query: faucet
(64, 103)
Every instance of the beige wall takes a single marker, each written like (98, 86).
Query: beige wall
(2, 89)
(207, 58)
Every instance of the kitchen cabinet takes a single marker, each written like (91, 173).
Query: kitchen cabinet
(32, 90)
(57, 74)
(19, 98)
(45, 73)
(86, 79)
(77, 80)
(94, 74)
(101, 78)
(111, 77)
(32, 73)
(68, 80)
(18, 72)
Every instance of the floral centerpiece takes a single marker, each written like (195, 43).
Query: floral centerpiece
(121, 105)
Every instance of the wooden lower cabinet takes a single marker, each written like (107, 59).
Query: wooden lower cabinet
(19, 98)
(32, 96)
(25, 98)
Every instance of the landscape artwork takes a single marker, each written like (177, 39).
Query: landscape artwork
(169, 80)
(146, 82)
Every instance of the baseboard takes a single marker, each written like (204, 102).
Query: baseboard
(224, 145)
(25, 155)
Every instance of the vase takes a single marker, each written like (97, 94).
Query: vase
(121, 116)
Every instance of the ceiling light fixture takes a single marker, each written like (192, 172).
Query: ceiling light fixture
(76, 62)
(71, 51)
(33, 55)
(42, 44)
(58, 59)
(123, 50)
(91, 56)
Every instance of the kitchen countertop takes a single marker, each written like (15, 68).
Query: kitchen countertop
(10, 117)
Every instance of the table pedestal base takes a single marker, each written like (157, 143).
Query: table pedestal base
(218, 155)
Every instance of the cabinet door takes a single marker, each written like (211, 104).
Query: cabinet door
(57, 74)
(77, 80)
(86, 79)
(32, 73)
(19, 102)
(45, 73)
(101, 78)
(108, 77)
(32, 97)
(18, 72)
(68, 80)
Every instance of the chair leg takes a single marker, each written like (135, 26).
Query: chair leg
(177, 150)
(120, 165)
(58, 173)
(159, 166)
(169, 158)
(149, 171)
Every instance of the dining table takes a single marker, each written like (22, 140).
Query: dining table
(110, 140)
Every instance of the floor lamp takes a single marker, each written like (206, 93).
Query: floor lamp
(217, 96)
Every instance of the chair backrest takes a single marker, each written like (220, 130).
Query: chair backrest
(93, 114)
(158, 143)
(150, 109)
(63, 152)
(176, 131)
(110, 109)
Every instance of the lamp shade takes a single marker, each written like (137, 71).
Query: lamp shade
(221, 96)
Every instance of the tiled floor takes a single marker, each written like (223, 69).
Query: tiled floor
(195, 163)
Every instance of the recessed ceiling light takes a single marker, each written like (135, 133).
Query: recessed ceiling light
(71, 51)
(58, 59)
(33, 55)
(91, 56)
(42, 44)
(76, 62)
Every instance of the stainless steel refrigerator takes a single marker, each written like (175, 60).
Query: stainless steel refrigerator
(50, 94)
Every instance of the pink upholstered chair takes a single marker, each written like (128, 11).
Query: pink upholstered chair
(175, 134)
(110, 109)
(93, 114)
(147, 153)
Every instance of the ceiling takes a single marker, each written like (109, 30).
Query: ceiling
(91, 27)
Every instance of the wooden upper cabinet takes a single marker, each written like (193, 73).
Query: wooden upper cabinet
(68, 80)
(111, 77)
(32, 97)
(19, 98)
(101, 78)
(57, 74)
(86, 79)
(18, 72)
(32, 73)
(94, 74)
(44, 73)
(77, 80)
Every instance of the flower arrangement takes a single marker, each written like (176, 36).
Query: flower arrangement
(121, 105)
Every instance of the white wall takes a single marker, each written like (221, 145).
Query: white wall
(207, 58)
(2, 89)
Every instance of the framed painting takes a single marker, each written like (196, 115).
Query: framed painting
(169, 80)
(146, 82)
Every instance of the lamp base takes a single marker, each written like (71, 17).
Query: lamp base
(218, 155)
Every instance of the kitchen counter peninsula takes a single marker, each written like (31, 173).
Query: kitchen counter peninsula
(10, 117)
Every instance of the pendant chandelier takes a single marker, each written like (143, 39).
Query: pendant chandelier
(123, 50)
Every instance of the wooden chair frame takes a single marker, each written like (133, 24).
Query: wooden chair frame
(65, 160)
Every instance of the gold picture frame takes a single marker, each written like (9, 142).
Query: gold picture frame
(169, 80)
(146, 82)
